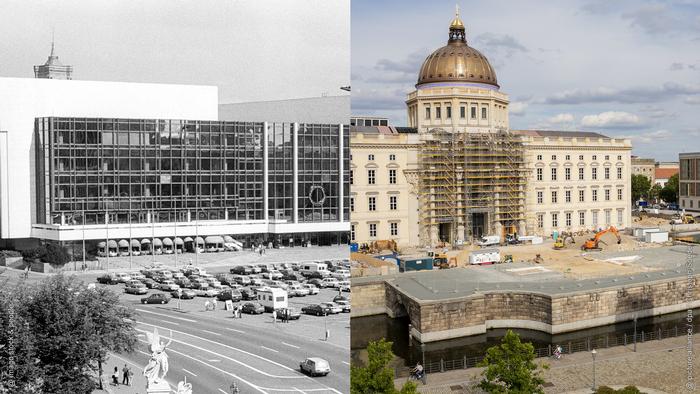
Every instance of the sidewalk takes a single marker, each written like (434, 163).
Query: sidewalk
(138, 381)
(661, 365)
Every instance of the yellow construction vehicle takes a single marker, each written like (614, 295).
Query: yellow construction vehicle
(683, 219)
(560, 243)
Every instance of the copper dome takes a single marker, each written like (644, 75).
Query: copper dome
(457, 62)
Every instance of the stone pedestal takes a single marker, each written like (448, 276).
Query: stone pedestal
(161, 387)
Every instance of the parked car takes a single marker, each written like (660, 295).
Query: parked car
(345, 305)
(150, 283)
(334, 308)
(136, 288)
(274, 275)
(206, 292)
(185, 294)
(137, 276)
(241, 270)
(317, 282)
(256, 281)
(341, 274)
(108, 279)
(291, 313)
(315, 366)
(297, 291)
(229, 294)
(123, 277)
(213, 282)
(183, 282)
(168, 285)
(312, 288)
(316, 309)
(343, 283)
(253, 308)
(241, 279)
(178, 275)
(225, 279)
(199, 284)
(248, 294)
(156, 298)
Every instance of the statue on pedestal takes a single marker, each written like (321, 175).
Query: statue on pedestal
(158, 364)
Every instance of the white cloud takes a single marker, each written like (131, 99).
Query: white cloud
(647, 138)
(693, 100)
(517, 108)
(612, 119)
(561, 119)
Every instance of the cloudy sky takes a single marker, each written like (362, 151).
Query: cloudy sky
(623, 68)
(252, 50)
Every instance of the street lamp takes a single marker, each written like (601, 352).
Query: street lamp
(593, 354)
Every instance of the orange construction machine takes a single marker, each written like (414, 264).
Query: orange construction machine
(592, 244)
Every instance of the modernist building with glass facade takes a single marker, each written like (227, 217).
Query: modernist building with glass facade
(125, 177)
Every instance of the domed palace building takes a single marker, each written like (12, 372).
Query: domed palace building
(457, 172)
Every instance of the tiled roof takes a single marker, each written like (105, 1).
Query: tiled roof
(665, 173)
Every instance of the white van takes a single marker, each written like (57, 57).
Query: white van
(272, 298)
(330, 282)
(341, 274)
(490, 240)
(307, 269)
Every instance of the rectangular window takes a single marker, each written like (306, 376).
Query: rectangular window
(394, 229)
(554, 174)
(462, 112)
(567, 174)
(352, 232)
(619, 217)
(352, 176)
(607, 157)
(448, 112)
(619, 172)
(580, 174)
(607, 194)
(540, 198)
(370, 177)
(595, 218)
(539, 157)
(568, 219)
(372, 203)
(554, 197)
(438, 113)
(539, 174)
(484, 112)
(370, 157)
(392, 157)
(567, 195)
(581, 195)
(392, 177)
(568, 157)
(373, 230)
(555, 220)
(540, 220)
(582, 218)
(607, 217)
(427, 112)
(607, 172)
(473, 112)
(594, 195)
(352, 204)
(619, 194)
(594, 173)
(580, 157)
(393, 202)
(554, 157)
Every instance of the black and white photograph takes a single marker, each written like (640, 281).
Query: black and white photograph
(174, 196)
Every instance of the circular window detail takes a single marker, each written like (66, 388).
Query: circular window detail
(317, 196)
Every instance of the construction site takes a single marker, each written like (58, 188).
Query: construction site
(470, 185)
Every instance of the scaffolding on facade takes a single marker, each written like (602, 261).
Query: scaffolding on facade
(470, 185)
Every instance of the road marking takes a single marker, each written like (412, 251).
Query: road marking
(297, 376)
(214, 361)
(211, 332)
(226, 346)
(298, 390)
(272, 350)
(346, 363)
(290, 345)
(223, 391)
(171, 322)
(191, 373)
(233, 329)
(163, 314)
(220, 370)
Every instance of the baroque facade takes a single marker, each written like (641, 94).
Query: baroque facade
(458, 172)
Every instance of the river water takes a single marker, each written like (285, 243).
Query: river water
(408, 352)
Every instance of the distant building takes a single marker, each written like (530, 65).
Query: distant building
(368, 121)
(663, 174)
(326, 109)
(646, 167)
(689, 181)
(53, 69)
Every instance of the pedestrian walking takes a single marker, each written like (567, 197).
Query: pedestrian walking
(115, 376)
(214, 304)
(328, 334)
(125, 375)
(274, 316)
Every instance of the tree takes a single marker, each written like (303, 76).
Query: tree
(68, 330)
(640, 186)
(510, 368)
(655, 192)
(670, 191)
(377, 376)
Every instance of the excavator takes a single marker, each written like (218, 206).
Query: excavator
(560, 243)
(592, 244)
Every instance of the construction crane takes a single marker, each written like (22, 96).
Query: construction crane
(592, 244)
(560, 243)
